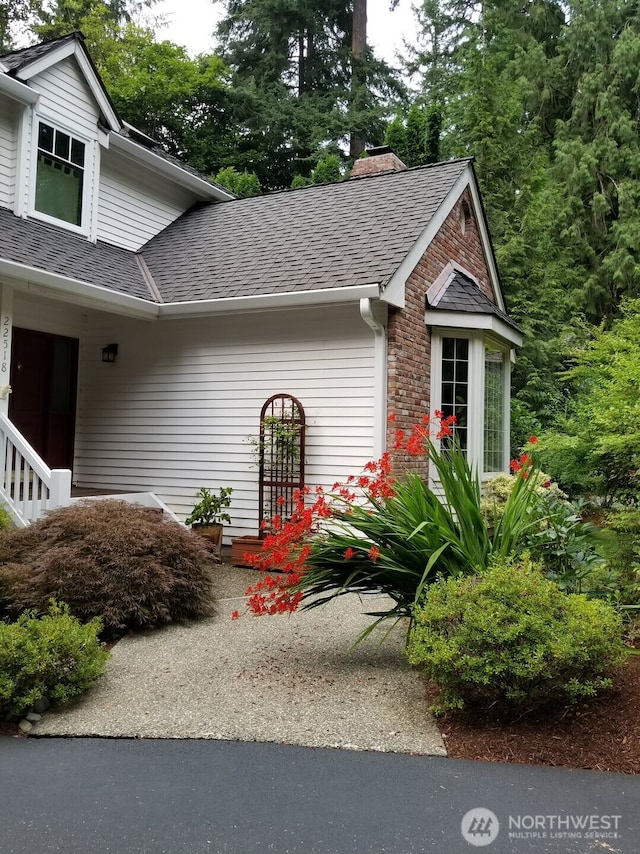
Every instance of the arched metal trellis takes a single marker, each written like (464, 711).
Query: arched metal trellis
(281, 452)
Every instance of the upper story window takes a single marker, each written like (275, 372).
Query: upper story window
(60, 175)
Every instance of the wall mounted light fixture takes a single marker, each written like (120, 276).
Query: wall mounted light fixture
(109, 353)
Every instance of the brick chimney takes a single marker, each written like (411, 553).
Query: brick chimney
(380, 160)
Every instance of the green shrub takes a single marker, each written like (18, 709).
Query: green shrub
(510, 637)
(5, 518)
(564, 543)
(121, 562)
(622, 550)
(54, 656)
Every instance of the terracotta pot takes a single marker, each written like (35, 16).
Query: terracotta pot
(241, 545)
(212, 532)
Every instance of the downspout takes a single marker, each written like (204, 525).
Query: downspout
(374, 314)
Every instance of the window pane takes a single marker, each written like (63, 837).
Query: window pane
(59, 189)
(63, 145)
(45, 137)
(494, 411)
(462, 348)
(448, 348)
(77, 152)
(448, 372)
(454, 390)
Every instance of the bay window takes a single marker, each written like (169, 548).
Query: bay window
(470, 379)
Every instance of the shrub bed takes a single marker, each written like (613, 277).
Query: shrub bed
(120, 562)
(510, 637)
(53, 656)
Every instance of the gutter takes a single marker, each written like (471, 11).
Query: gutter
(55, 285)
(47, 284)
(289, 299)
(18, 91)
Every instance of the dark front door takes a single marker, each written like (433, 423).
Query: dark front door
(42, 404)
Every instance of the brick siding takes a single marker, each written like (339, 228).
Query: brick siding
(409, 339)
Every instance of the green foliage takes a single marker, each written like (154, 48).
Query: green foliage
(210, 508)
(511, 638)
(300, 181)
(328, 169)
(121, 562)
(242, 184)
(60, 17)
(418, 534)
(565, 545)
(621, 548)
(53, 657)
(598, 447)
(5, 518)
(416, 139)
(297, 86)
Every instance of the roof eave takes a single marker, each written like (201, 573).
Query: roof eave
(203, 189)
(472, 320)
(260, 302)
(18, 91)
(55, 285)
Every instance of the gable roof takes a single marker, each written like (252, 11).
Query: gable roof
(21, 65)
(16, 59)
(30, 61)
(461, 293)
(322, 243)
(328, 236)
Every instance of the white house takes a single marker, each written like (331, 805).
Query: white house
(375, 295)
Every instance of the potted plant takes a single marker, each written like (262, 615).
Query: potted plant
(208, 514)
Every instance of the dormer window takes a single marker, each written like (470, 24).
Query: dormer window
(60, 175)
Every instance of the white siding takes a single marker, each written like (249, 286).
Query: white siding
(67, 103)
(135, 204)
(66, 98)
(8, 151)
(175, 411)
(42, 315)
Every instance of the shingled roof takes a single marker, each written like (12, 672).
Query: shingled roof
(463, 294)
(57, 251)
(329, 236)
(18, 58)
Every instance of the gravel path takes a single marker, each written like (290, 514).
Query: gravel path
(290, 679)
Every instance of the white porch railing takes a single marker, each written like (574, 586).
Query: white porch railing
(28, 486)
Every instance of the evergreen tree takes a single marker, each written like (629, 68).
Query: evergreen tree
(293, 72)
(242, 184)
(598, 149)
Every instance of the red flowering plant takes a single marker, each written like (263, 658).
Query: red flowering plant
(378, 534)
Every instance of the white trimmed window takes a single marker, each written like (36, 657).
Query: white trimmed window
(60, 175)
(470, 374)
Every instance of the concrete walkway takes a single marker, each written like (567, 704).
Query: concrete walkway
(290, 679)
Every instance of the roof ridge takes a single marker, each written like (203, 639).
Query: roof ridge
(358, 178)
(48, 43)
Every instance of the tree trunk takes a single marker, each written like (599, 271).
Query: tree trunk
(358, 71)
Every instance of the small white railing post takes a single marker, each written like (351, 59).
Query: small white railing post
(27, 485)
(59, 488)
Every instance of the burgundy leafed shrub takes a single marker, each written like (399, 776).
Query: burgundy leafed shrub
(121, 562)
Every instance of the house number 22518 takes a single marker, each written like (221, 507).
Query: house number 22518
(6, 331)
